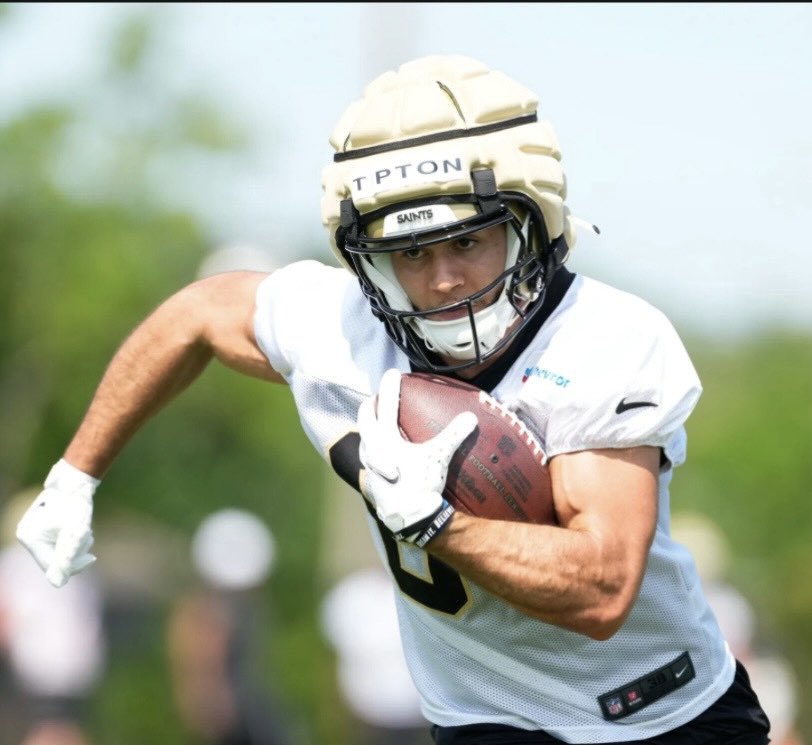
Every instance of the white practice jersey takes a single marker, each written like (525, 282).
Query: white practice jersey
(605, 370)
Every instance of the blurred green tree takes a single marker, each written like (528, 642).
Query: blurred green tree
(749, 468)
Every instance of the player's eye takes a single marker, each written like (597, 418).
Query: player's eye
(412, 254)
(465, 242)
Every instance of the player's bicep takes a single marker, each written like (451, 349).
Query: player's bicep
(228, 302)
(612, 494)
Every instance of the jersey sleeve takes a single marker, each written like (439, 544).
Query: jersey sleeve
(286, 309)
(636, 385)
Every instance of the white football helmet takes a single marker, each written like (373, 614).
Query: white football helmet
(439, 149)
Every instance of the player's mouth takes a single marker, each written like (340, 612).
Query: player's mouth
(459, 311)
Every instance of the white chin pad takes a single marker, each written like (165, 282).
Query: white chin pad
(455, 338)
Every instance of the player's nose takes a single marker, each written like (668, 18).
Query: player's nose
(446, 273)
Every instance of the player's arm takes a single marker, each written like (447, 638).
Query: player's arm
(584, 575)
(211, 318)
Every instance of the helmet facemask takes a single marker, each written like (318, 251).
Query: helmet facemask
(447, 345)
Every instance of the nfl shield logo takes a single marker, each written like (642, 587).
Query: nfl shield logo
(614, 706)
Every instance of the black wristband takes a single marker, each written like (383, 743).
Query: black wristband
(440, 519)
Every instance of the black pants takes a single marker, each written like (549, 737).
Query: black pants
(736, 718)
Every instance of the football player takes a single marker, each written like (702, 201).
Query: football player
(445, 206)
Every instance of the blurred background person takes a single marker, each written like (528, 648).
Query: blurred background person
(770, 672)
(53, 643)
(359, 620)
(211, 637)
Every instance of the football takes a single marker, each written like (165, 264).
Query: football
(498, 472)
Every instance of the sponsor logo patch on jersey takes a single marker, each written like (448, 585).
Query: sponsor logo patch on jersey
(539, 372)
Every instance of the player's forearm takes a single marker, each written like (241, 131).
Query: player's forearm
(157, 361)
(564, 577)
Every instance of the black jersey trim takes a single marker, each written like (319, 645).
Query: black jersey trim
(491, 376)
(647, 689)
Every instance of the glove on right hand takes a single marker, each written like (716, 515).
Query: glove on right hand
(56, 527)
(405, 480)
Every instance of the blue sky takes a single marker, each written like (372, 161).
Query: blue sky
(684, 127)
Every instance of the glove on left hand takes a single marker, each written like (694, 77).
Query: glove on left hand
(405, 480)
(56, 527)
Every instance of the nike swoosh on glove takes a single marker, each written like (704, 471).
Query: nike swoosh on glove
(404, 480)
(56, 527)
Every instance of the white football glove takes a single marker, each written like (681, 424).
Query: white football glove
(56, 527)
(405, 480)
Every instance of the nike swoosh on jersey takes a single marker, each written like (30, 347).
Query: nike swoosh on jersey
(625, 405)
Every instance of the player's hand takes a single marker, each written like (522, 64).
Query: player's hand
(56, 527)
(405, 480)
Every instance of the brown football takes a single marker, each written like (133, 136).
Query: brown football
(498, 471)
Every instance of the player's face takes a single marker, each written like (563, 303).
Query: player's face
(444, 273)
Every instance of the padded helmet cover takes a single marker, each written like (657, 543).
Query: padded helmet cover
(442, 95)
